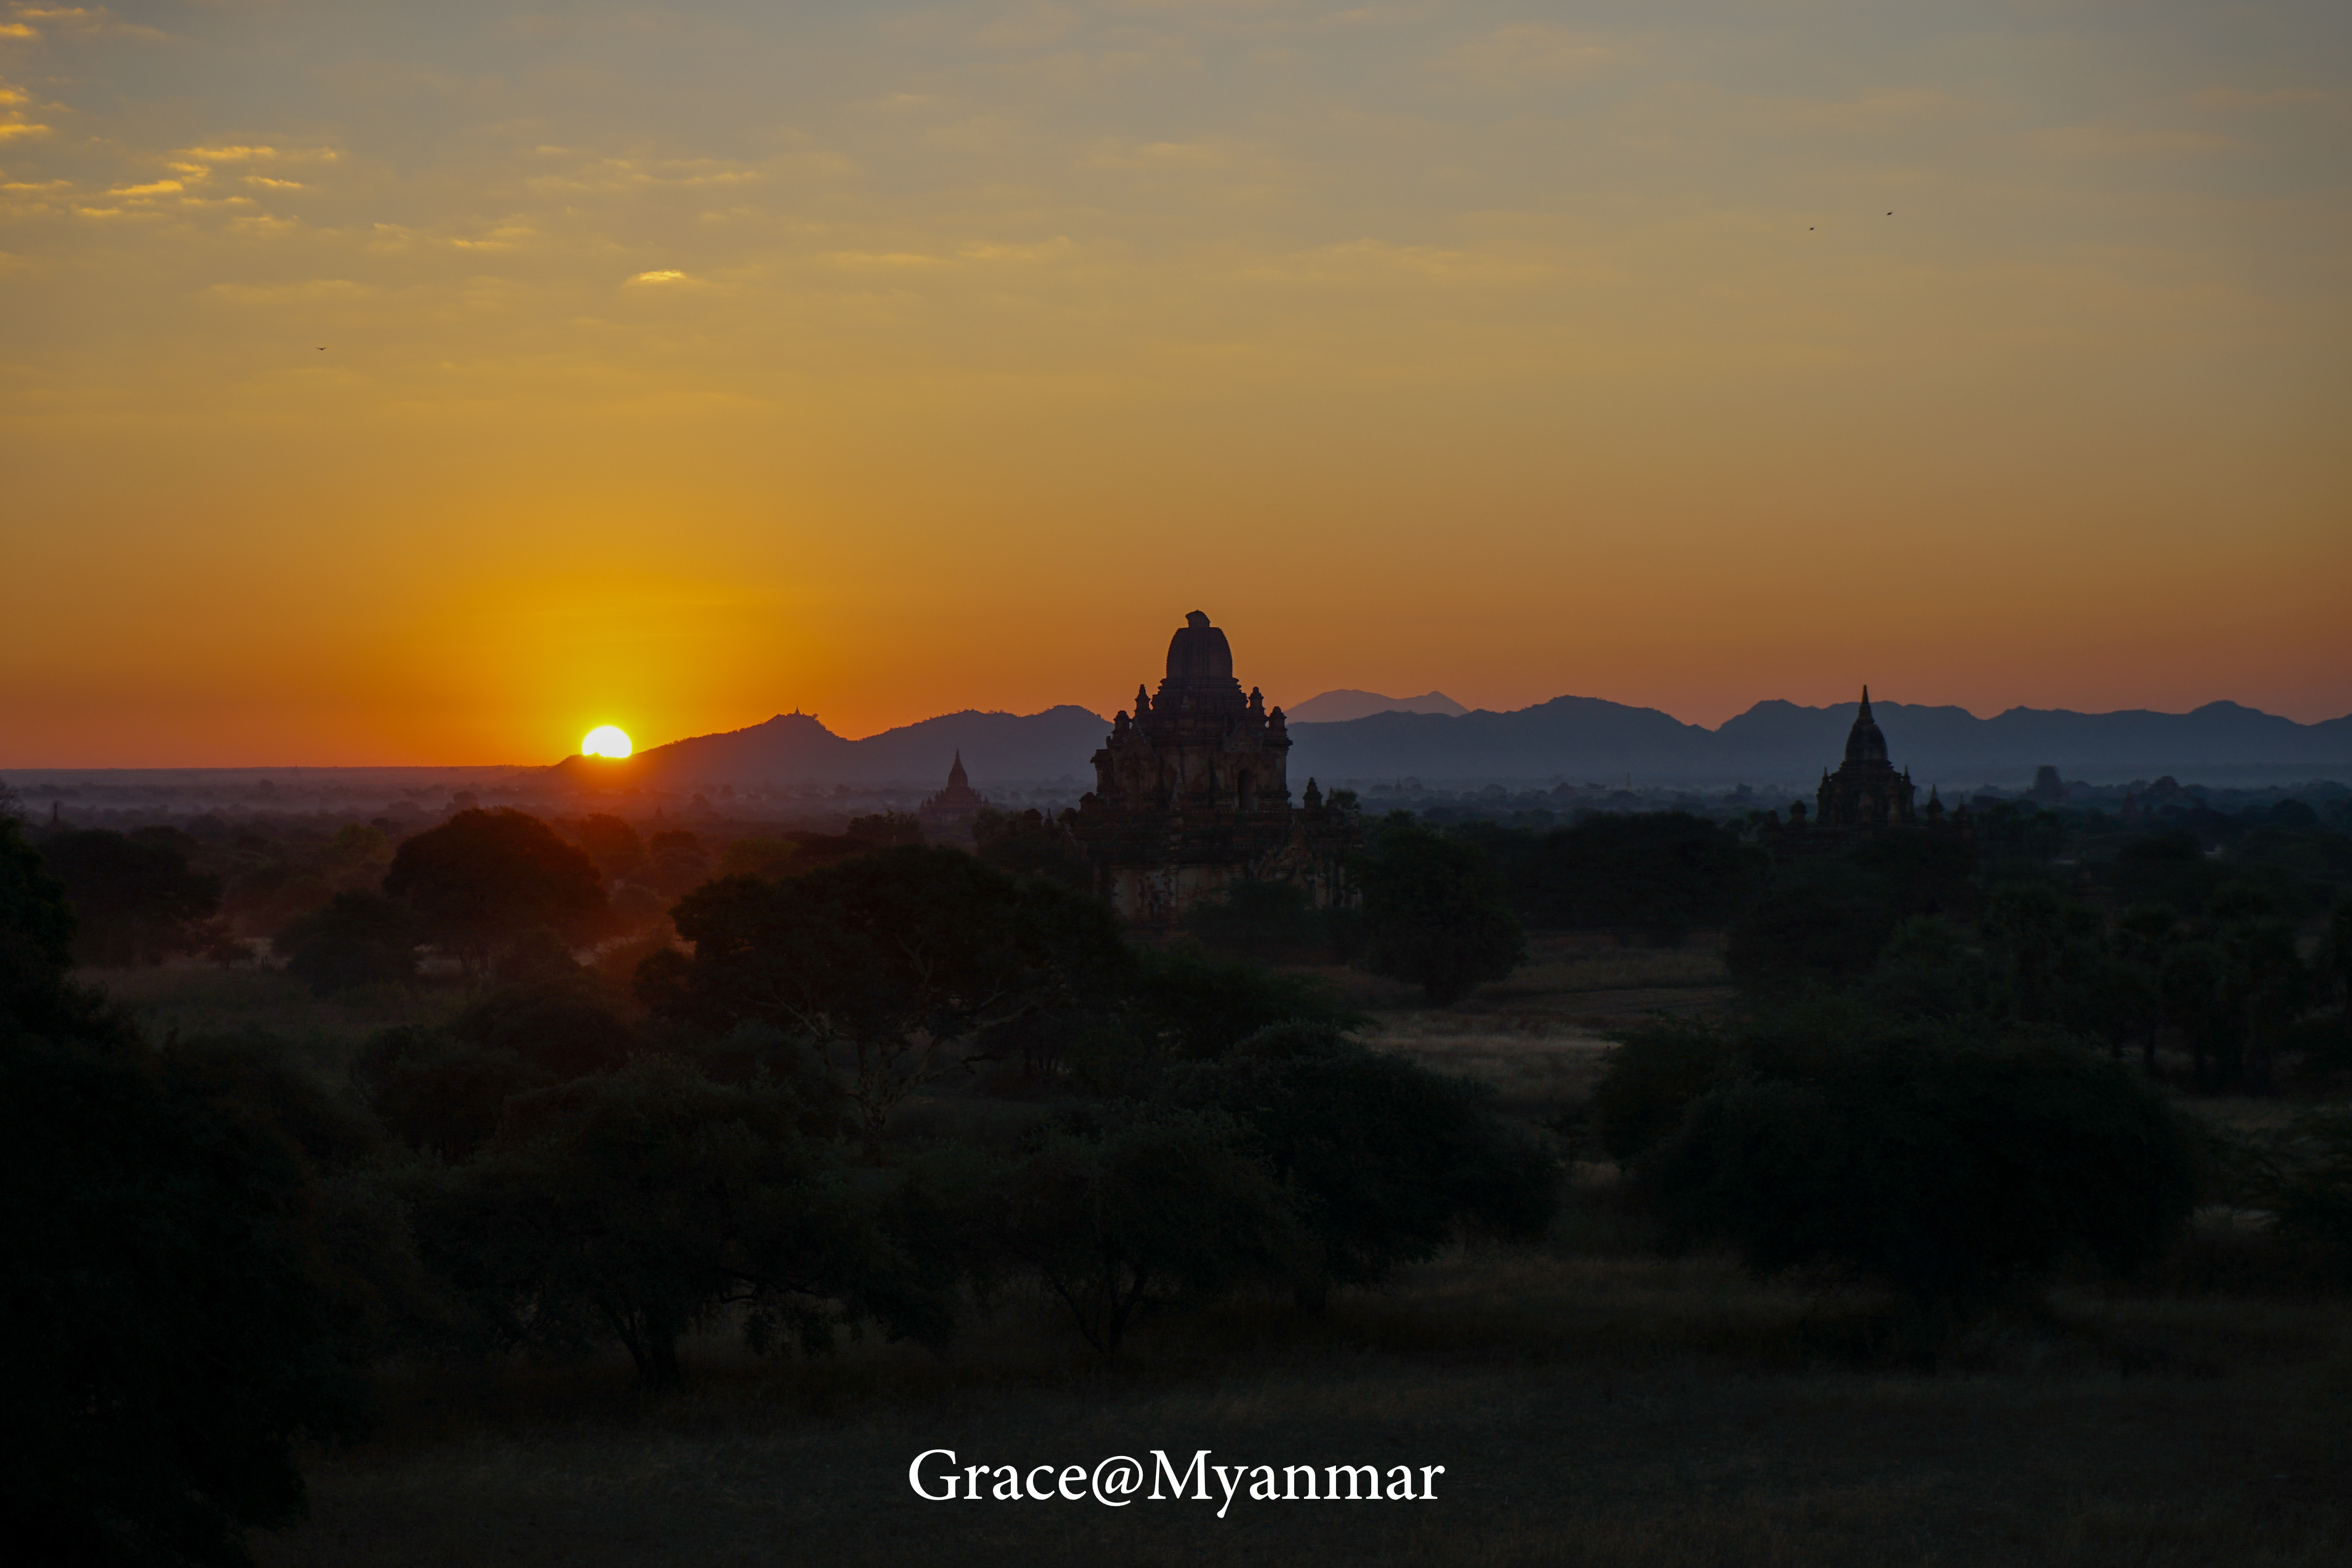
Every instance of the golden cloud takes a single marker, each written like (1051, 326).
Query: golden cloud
(241, 153)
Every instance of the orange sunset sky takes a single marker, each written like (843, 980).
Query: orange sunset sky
(686, 363)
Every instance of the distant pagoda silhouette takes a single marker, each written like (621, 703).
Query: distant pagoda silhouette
(1866, 792)
(950, 814)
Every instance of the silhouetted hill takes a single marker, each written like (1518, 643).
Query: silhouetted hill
(1339, 707)
(1583, 739)
(794, 748)
(1953, 743)
(1578, 736)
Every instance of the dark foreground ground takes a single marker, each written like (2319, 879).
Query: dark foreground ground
(1616, 1411)
(1589, 1404)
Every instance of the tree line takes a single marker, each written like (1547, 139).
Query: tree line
(213, 1240)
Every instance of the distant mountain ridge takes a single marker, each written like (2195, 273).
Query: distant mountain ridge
(1586, 739)
(796, 748)
(1339, 707)
(1581, 739)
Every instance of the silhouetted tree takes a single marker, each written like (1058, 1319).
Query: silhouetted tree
(1382, 1157)
(1124, 1212)
(483, 877)
(1264, 922)
(890, 962)
(645, 1203)
(1650, 1078)
(677, 862)
(1822, 922)
(1434, 912)
(884, 828)
(759, 857)
(1189, 1007)
(1958, 1167)
(2164, 868)
(171, 1340)
(37, 922)
(1031, 844)
(357, 939)
(135, 900)
(444, 1087)
(613, 844)
(1648, 874)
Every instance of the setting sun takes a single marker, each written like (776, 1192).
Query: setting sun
(605, 741)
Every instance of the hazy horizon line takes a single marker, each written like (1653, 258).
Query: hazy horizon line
(1876, 701)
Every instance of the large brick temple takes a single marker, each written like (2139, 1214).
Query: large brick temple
(1192, 795)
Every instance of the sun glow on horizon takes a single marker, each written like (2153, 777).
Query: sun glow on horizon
(606, 740)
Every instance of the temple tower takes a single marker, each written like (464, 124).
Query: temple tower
(1865, 790)
(1192, 793)
(948, 816)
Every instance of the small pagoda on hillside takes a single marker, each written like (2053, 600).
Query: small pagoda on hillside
(947, 816)
(1192, 795)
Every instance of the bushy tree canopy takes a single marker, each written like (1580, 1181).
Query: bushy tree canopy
(134, 898)
(1381, 1156)
(890, 962)
(1434, 912)
(483, 877)
(1125, 1211)
(354, 939)
(1957, 1166)
(641, 1204)
(447, 1088)
(1648, 874)
(170, 1343)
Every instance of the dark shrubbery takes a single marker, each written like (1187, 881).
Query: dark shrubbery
(1434, 912)
(1822, 922)
(892, 964)
(483, 878)
(354, 940)
(1029, 844)
(1185, 1005)
(1124, 1210)
(171, 1339)
(1650, 1079)
(1265, 923)
(1646, 875)
(1958, 1167)
(134, 898)
(1381, 1156)
(446, 1088)
(643, 1203)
